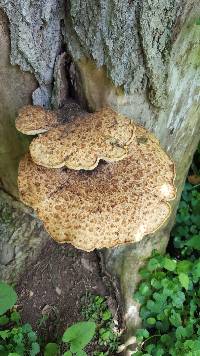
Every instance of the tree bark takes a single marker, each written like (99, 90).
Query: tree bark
(140, 57)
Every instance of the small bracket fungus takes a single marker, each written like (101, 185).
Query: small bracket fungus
(34, 120)
(117, 202)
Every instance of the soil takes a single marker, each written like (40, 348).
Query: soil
(50, 292)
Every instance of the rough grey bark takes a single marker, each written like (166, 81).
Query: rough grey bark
(141, 58)
(21, 238)
(21, 234)
(36, 37)
(121, 35)
(16, 88)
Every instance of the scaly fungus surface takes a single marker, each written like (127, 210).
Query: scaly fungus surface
(80, 143)
(116, 203)
(34, 120)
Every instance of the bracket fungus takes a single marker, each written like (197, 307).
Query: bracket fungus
(82, 142)
(34, 120)
(115, 203)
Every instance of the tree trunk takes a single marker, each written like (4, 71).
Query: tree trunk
(140, 57)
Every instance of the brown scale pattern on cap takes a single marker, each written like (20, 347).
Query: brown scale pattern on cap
(82, 142)
(33, 120)
(114, 204)
(36, 183)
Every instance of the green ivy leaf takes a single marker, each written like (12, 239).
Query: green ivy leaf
(106, 335)
(35, 349)
(20, 349)
(194, 345)
(138, 297)
(196, 270)
(144, 289)
(51, 349)
(106, 315)
(32, 336)
(189, 330)
(81, 353)
(155, 307)
(67, 353)
(26, 328)
(178, 299)
(151, 321)
(142, 334)
(153, 264)
(15, 316)
(175, 319)
(159, 351)
(181, 332)
(98, 300)
(8, 297)
(166, 339)
(184, 266)
(79, 334)
(144, 273)
(144, 312)
(163, 326)
(169, 264)
(184, 280)
(156, 283)
(194, 242)
(4, 320)
(4, 334)
(150, 349)
(18, 338)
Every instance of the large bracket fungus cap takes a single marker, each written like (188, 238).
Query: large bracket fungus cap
(82, 142)
(116, 203)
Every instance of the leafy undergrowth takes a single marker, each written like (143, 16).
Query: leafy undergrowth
(15, 338)
(186, 232)
(95, 333)
(169, 293)
(106, 337)
(98, 334)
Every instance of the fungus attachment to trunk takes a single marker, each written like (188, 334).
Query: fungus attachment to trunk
(115, 203)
